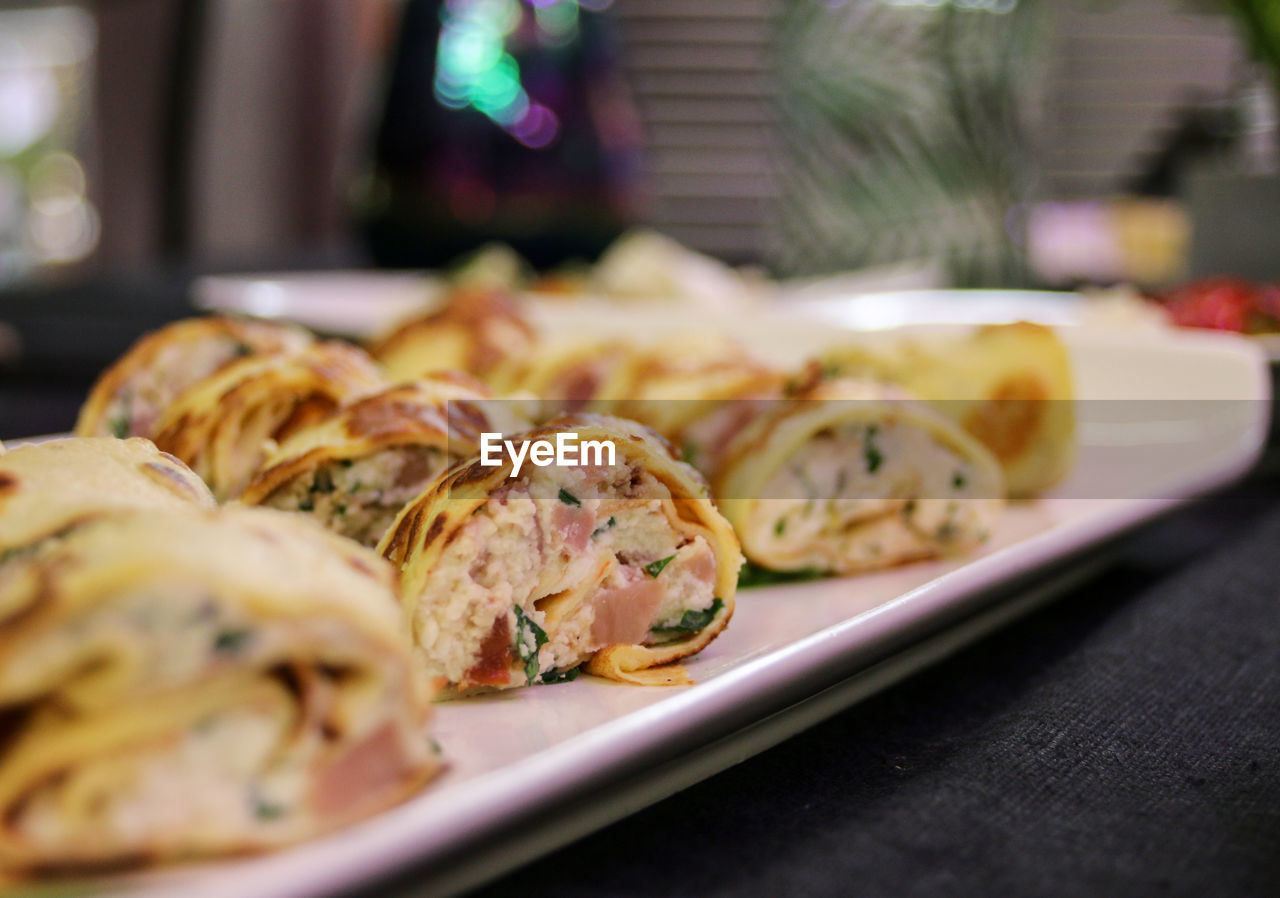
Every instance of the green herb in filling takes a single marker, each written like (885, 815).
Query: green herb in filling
(754, 575)
(607, 525)
(529, 633)
(323, 482)
(871, 452)
(654, 568)
(780, 527)
(264, 809)
(231, 642)
(241, 349)
(958, 480)
(560, 676)
(119, 424)
(306, 504)
(569, 498)
(689, 452)
(691, 621)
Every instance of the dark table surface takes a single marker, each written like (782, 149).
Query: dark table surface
(1123, 741)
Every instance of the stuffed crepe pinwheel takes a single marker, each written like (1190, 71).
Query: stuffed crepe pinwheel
(850, 476)
(1009, 385)
(192, 683)
(225, 425)
(623, 569)
(130, 396)
(355, 470)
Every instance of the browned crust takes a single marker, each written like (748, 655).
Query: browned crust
(260, 336)
(471, 311)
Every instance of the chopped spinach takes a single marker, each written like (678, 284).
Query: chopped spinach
(560, 676)
(654, 568)
(569, 498)
(528, 631)
(691, 621)
(754, 575)
(119, 423)
(871, 452)
(231, 642)
(264, 809)
(322, 482)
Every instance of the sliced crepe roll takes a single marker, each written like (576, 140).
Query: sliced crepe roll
(1009, 385)
(623, 569)
(476, 331)
(355, 470)
(130, 396)
(851, 476)
(225, 425)
(192, 683)
(48, 488)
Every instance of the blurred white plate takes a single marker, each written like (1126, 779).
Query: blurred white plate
(535, 768)
(357, 304)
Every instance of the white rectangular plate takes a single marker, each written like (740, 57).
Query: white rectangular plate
(586, 752)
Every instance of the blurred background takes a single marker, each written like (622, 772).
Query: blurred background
(970, 143)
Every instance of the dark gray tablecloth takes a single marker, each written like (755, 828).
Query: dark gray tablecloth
(1125, 741)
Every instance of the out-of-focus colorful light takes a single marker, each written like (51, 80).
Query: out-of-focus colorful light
(474, 68)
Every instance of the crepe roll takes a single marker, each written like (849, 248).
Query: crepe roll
(129, 397)
(225, 425)
(852, 476)
(572, 375)
(48, 488)
(619, 569)
(476, 331)
(355, 470)
(189, 683)
(1008, 385)
(690, 389)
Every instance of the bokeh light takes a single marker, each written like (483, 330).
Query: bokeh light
(474, 68)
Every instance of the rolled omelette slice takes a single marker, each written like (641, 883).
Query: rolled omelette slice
(1009, 385)
(571, 375)
(190, 683)
(694, 390)
(852, 476)
(224, 426)
(130, 396)
(475, 331)
(620, 569)
(47, 488)
(355, 470)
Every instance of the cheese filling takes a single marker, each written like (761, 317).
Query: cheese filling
(557, 566)
(359, 498)
(879, 491)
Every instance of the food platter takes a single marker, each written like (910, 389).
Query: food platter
(1161, 420)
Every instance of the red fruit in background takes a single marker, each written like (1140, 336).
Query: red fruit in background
(1219, 303)
(1269, 306)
